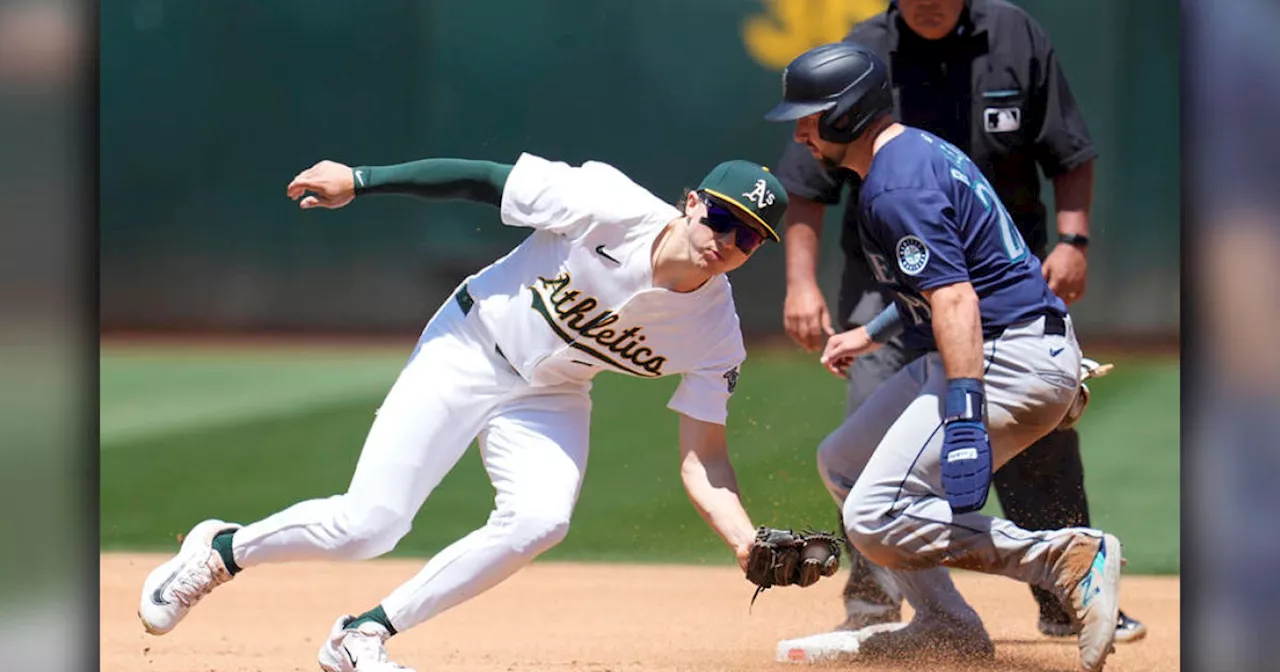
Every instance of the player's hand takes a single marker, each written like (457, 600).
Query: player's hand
(1064, 269)
(966, 465)
(327, 184)
(805, 315)
(743, 552)
(843, 348)
(966, 448)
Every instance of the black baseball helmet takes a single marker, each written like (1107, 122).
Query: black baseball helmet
(845, 81)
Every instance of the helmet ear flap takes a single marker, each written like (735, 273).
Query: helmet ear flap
(838, 123)
(853, 110)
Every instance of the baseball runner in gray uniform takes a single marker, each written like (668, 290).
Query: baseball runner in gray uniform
(911, 468)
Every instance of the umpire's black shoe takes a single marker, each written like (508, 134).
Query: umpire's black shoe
(1127, 629)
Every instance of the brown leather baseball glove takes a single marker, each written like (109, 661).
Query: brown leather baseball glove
(785, 558)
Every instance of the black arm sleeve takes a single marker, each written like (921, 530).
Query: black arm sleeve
(437, 179)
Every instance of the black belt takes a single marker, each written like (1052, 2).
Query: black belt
(1055, 325)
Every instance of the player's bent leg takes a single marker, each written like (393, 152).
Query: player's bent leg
(906, 528)
(899, 519)
(843, 459)
(843, 454)
(535, 450)
(1042, 488)
(426, 422)
(870, 596)
(416, 437)
(944, 623)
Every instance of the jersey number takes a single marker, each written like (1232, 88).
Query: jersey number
(1011, 238)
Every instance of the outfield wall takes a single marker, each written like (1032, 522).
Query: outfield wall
(209, 108)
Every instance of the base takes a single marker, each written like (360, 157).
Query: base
(827, 647)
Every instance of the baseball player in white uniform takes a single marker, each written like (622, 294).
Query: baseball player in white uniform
(611, 278)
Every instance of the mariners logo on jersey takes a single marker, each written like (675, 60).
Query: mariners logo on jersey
(913, 255)
(569, 313)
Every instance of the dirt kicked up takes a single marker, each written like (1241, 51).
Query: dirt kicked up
(572, 618)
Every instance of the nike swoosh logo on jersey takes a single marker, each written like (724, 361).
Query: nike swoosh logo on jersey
(349, 656)
(600, 251)
(1055, 352)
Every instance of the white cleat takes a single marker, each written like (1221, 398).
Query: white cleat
(1096, 600)
(361, 649)
(174, 587)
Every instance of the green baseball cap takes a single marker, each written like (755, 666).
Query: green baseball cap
(750, 188)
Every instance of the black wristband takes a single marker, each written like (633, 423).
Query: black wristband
(361, 177)
(1076, 239)
(965, 400)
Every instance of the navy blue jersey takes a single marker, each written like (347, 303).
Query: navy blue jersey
(930, 219)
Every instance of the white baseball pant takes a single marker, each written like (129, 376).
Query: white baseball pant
(456, 387)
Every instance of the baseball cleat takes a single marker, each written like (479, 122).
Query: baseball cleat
(1127, 629)
(173, 588)
(359, 649)
(1095, 597)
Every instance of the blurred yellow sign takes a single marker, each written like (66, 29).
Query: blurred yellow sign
(788, 27)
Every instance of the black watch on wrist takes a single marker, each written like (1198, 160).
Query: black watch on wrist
(1076, 239)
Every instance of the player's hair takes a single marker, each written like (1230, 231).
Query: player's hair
(684, 197)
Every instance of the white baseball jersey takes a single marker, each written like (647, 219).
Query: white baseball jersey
(577, 296)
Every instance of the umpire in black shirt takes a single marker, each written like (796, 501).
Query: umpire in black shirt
(981, 74)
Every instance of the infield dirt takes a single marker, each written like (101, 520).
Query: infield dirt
(571, 618)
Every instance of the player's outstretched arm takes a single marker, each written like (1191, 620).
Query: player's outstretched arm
(712, 485)
(329, 184)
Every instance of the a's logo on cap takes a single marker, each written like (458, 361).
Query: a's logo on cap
(912, 255)
(761, 195)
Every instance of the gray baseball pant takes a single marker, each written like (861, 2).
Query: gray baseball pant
(882, 467)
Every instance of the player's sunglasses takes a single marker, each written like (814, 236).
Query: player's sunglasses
(721, 219)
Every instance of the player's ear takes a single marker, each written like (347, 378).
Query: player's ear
(690, 201)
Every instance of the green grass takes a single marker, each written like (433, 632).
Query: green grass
(239, 434)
